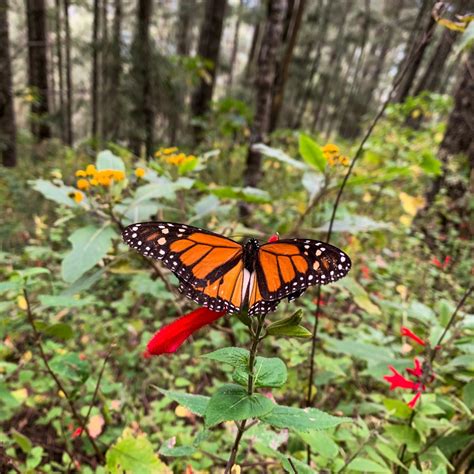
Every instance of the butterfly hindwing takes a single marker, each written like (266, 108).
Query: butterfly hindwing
(288, 267)
(194, 255)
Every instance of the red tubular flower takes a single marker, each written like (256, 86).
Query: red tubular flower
(417, 371)
(413, 401)
(397, 380)
(447, 261)
(406, 332)
(274, 237)
(169, 338)
(77, 433)
(436, 262)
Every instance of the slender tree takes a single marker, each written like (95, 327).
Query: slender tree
(143, 113)
(95, 71)
(266, 69)
(281, 76)
(208, 49)
(235, 44)
(38, 68)
(112, 77)
(7, 110)
(413, 61)
(69, 92)
(323, 12)
(186, 10)
(60, 66)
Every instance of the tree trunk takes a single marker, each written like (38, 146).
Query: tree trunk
(432, 77)
(235, 45)
(70, 131)
(363, 100)
(320, 41)
(254, 47)
(112, 78)
(144, 109)
(208, 49)
(281, 76)
(355, 77)
(334, 59)
(186, 10)
(412, 64)
(458, 138)
(7, 110)
(265, 78)
(38, 68)
(59, 58)
(95, 72)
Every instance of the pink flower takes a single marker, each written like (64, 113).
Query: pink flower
(170, 338)
(406, 332)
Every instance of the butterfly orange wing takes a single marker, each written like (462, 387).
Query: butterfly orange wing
(286, 268)
(196, 256)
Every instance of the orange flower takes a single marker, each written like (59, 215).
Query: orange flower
(81, 173)
(78, 196)
(83, 183)
(91, 170)
(139, 172)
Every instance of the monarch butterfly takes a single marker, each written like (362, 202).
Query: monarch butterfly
(224, 275)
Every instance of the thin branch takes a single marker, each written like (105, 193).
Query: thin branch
(356, 158)
(58, 382)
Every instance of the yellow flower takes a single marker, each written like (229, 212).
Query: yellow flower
(157, 153)
(81, 173)
(139, 172)
(344, 160)
(94, 182)
(118, 175)
(78, 196)
(103, 177)
(83, 183)
(330, 148)
(169, 151)
(91, 170)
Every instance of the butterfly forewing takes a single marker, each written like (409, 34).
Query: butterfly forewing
(194, 255)
(287, 267)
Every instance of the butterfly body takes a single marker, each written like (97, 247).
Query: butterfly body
(224, 275)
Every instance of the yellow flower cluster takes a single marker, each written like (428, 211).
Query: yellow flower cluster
(333, 155)
(93, 177)
(172, 157)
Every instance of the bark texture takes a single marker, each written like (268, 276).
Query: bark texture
(7, 111)
(208, 49)
(38, 68)
(265, 78)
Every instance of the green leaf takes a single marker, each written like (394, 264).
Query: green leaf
(360, 350)
(14, 285)
(60, 330)
(89, 245)
(70, 366)
(402, 434)
(268, 372)
(32, 272)
(400, 409)
(232, 402)
(59, 194)
(247, 194)
(278, 155)
(22, 441)
(34, 457)
(62, 301)
(430, 164)
(177, 451)
(234, 356)
(302, 419)
(106, 160)
(320, 442)
(354, 224)
(289, 326)
(188, 166)
(361, 297)
(197, 404)
(468, 394)
(311, 152)
(388, 452)
(361, 464)
(132, 455)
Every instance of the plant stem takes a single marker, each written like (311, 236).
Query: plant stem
(80, 421)
(250, 389)
(357, 156)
